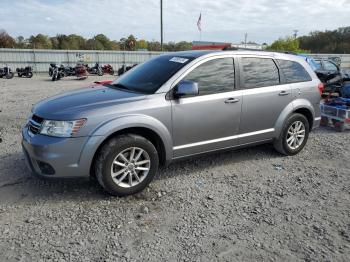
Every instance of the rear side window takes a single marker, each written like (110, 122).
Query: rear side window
(259, 72)
(214, 76)
(293, 71)
(329, 66)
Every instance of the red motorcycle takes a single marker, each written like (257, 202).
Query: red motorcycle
(108, 69)
(81, 72)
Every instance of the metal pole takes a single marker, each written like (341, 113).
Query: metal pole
(161, 25)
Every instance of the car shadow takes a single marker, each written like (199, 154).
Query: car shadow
(17, 184)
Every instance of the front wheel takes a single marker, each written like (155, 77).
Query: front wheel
(29, 75)
(294, 135)
(126, 164)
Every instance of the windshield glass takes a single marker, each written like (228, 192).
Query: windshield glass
(149, 76)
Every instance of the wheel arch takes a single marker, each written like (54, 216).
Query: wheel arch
(150, 128)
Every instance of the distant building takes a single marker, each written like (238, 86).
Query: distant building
(248, 46)
(205, 45)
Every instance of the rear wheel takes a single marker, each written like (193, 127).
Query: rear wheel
(294, 135)
(126, 164)
(29, 75)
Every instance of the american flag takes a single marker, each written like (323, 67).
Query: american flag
(199, 22)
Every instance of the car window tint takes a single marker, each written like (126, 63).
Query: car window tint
(293, 71)
(214, 76)
(259, 72)
(329, 66)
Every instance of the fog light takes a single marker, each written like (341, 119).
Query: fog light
(45, 168)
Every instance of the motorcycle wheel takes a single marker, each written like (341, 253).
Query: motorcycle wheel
(54, 76)
(10, 75)
(111, 72)
(100, 72)
(29, 75)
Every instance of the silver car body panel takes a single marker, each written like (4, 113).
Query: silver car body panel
(186, 126)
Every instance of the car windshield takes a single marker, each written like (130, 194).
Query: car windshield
(314, 65)
(149, 76)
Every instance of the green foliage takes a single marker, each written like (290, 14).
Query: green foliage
(98, 42)
(286, 44)
(337, 41)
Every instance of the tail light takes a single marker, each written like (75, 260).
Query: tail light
(320, 88)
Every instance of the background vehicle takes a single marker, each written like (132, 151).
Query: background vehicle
(95, 70)
(27, 72)
(108, 69)
(80, 71)
(6, 72)
(173, 106)
(56, 72)
(333, 77)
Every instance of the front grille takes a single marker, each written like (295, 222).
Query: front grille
(34, 124)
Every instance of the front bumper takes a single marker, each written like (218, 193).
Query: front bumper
(55, 157)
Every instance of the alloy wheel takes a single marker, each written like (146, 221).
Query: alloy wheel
(130, 167)
(296, 135)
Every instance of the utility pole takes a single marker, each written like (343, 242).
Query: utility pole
(245, 40)
(161, 25)
(295, 33)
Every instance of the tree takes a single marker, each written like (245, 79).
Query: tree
(21, 42)
(286, 44)
(141, 44)
(104, 40)
(6, 41)
(40, 41)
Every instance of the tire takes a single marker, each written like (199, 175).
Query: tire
(10, 75)
(99, 72)
(282, 144)
(29, 75)
(54, 76)
(123, 145)
(111, 72)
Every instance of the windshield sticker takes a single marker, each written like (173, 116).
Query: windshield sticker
(179, 60)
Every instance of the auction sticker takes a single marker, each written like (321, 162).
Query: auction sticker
(178, 60)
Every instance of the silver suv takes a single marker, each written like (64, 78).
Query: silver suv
(173, 106)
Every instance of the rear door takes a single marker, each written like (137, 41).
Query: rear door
(264, 96)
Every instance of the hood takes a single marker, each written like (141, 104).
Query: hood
(76, 104)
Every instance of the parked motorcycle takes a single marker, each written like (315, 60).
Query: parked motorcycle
(27, 71)
(95, 70)
(56, 72)
(6, 72)
(69, 71)
(108, 69)
(81, 72)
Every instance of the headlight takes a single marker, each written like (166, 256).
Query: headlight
(61, 128)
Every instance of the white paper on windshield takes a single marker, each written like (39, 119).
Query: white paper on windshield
(178, 60)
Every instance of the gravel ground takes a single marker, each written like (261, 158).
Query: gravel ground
(250, 204)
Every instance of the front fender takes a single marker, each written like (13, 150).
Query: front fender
(103, 131)
(288, 110)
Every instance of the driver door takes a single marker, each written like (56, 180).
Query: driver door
(209, 120)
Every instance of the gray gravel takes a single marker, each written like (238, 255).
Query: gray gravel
(250, 204)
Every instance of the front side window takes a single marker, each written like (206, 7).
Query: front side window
(214, 76)
(293, 71)
(259, 72)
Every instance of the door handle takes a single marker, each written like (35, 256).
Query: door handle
(283, 93)
(231, 100)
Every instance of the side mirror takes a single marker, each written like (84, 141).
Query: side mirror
(186, 88)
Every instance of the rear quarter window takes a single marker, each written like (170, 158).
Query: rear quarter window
(293, 71)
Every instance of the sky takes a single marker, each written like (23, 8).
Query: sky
(222, 20)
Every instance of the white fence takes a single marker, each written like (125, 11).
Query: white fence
(40, 59)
